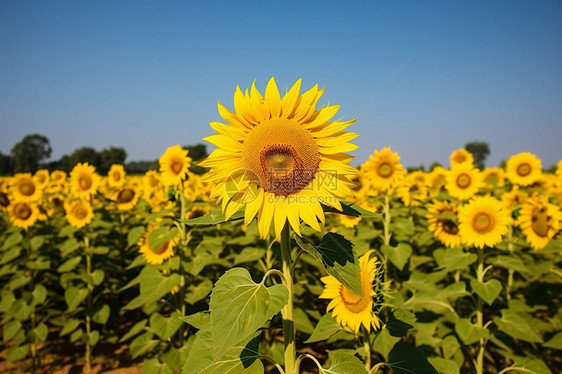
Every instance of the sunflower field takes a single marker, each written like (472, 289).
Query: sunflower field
(285, 258)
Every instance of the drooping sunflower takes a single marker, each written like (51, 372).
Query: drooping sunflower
(280, 158)
(23, 214)
(349, 309)
(461, 157)
(156, 256)
(116, 176)
(483, 221)
(83, 180)
(539, 221)
(79, 213)
(174, 164)
(384, 169)
(523, 169)
(25, 188)
(463, 181)
(443, 222)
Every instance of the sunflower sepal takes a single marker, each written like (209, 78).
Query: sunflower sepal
(351, 210)
(338, 258)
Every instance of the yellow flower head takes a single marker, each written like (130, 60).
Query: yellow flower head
(483, 221)
(493, 177)
(523, 169)
(412, 190)
(463, 181)
(25, 188)
(42, 178)
(384, 169)
(280, 158)
(349, 309)
(127, 196)
(83, 180)
(174, 164)
(437, 179)
(79, 213)
(461, 157)
(443, 222)
(23, 214)
(116, 176)
(156, 256)
(539, 221)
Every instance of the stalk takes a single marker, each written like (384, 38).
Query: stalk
(386, 222)
(183, 211)
(367, 347)
(287, 311)
(33, 316)
(88, 356)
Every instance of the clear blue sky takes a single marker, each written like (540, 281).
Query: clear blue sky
(422, 77)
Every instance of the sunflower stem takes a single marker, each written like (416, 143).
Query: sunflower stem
(367, 347)
(479, 313)
(510, 272)
(287, 311)
(88, 356)
(181, 293)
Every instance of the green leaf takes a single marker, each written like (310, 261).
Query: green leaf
(77, 334)
(199, 292)
(338, 258)
(453, 259)
(11, 329)
(137, 328)
(94, 337)
(396, 327)
(165, 328)
(153, 286)
(343, 362)
(352, 210)
(134, 235)
(161, 235)
(555, 342)
(69, 245)
(398, 255)
(516, 326)
(6, 301)
(249, 254)
(407, 359)
(36, 242)
(443, 365)
(384, 342)
(402, 226)
(197, 320)
(154, 366)
(74, 296)
(98, 276)
(488, 291)
(239, 307)
(213, 218)
(450, 345)
(511, 262)
(11, 254)
(69, 326)
(251, 353)
(325, 328)
(69, 264)
(17, 353)
(204, 253)
(39, 334)
(102, 314)
(142, 344)
(39, 294)
(470, 333)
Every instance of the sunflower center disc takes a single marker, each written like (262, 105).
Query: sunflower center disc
(385, 170)
(450, 227)
(81, 213)
(176, 166)
(281, 155)
(540, 222)
(125, 196)
(482, 223)
(117, 176)
(27, 188)
(354, 303)
(463, 181)
(23, 211)
(4, 201)
(524, 170)
(85, 183)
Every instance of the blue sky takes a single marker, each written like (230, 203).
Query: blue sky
(422, 77)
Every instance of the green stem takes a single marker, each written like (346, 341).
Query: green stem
(183, 212)
(386, 222)
(367, 347)
(479, 313)
(510, 272)
(33, 316)
(88, 356)
(287, 311)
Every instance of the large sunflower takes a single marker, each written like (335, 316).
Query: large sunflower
(463, 181)
(280, 158)
(79, 213)
(349, 309)
(23, 214)
(443, 223)
(174, 165)
(523, 169)
(461, 157)
(25, 188)
(384, 169)
(116, 176)
(483, 221)
(83, 180)
(156, 256)
(539, 221)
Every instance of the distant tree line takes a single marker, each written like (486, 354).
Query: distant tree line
(32, 152)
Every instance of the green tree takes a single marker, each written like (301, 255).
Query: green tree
(30, 152)
(85, 154)
(197, 152)
(480, 151)
(434, 165)
(5, 164)
(110, 156)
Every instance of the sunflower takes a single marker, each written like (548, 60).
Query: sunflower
(83, 180)
(57, 182)
(23, 214)
(483, 221)
(156, 256)
(493, 177)
(463, 181)
(523, 169)
(437, 179)
(174, 164)
(42, 178)
(349, 309)
(198, 210)
(280, 158)
(116, 176)
(127, 196)
(539, 221)
(514, 198)
(79, 213)
(4, 200)
(25, 188)
(412, 190)
(384, 169)
(461, 157)
(442, 217)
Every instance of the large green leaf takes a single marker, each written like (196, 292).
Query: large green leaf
(454, 258)
(516, 326)
(343, 362)
(164, 327)
(325, 328)
(74, 296)
(153, 286)
(338, 258)
(239, 307)
(407, 359)
(398, 255)
(397, 327)
(470, 333)
(207, 251)
(555, 342)
(488, 291)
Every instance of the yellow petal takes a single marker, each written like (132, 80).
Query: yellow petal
(290, 99)
(273, 99)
